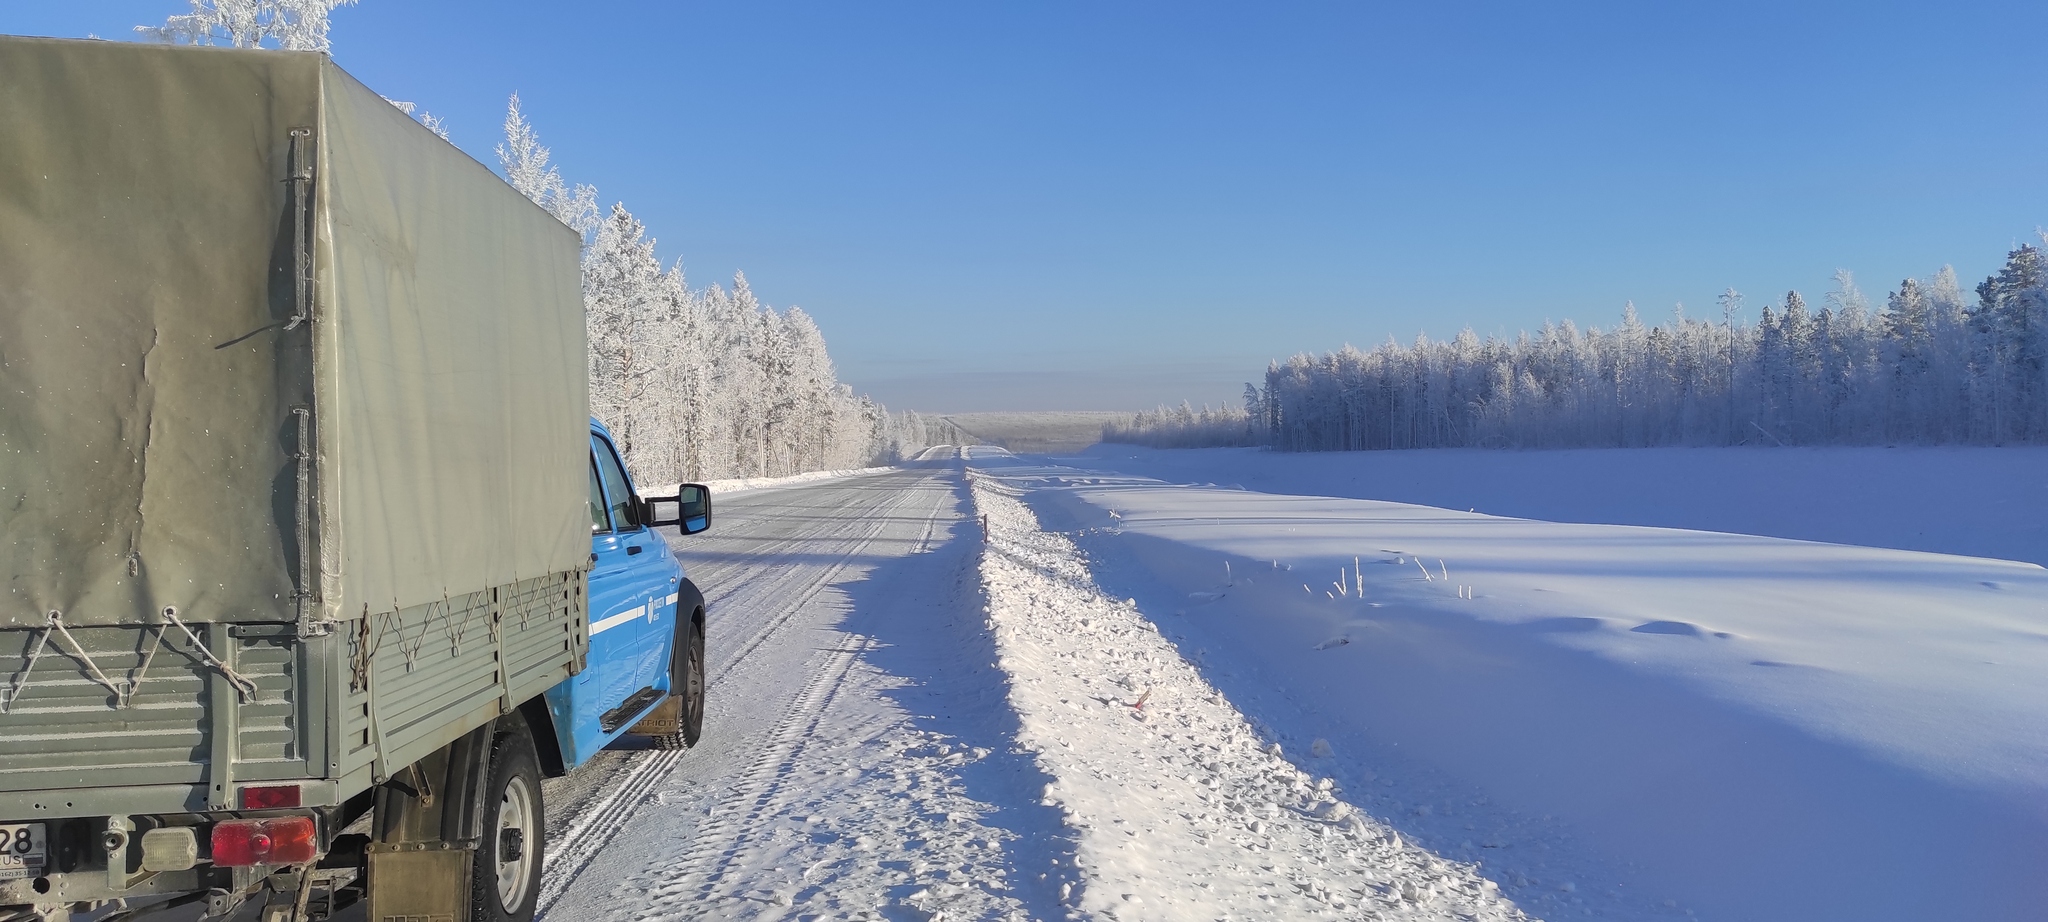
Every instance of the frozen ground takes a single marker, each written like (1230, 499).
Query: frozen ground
(1978, 502)
(1614, 721)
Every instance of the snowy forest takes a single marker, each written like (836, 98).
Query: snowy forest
(696, 384)
(1931, 366)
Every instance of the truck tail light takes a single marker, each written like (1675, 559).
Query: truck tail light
(270, 796)
(281, 840)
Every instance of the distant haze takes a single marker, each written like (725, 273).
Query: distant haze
(1124, 389)
(1037, 433)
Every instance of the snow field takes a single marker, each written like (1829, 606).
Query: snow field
(1971, 501)
(1620, 722)
(1182, 812)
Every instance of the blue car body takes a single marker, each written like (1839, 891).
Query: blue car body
(638, 591)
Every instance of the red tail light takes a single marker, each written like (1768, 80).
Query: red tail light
(283, 840)
(270, 797)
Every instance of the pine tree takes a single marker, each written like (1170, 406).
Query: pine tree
(2012, 326)
(1908, 332)
(527, 169)
(1801, 367)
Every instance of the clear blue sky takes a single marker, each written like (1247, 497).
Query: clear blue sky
(1104, 205)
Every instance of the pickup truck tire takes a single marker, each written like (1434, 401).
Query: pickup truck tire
(505, 878)
(687, 678)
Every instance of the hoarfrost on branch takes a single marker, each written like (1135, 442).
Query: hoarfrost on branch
(292, 25)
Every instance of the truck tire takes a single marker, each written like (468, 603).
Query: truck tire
(687, 679)
(505, 877)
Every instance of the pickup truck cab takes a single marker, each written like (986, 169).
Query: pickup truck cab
(646, 618)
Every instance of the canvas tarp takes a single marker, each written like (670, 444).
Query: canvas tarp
(147, 380)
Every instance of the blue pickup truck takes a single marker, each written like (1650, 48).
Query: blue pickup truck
(644, 674)
(646, 619)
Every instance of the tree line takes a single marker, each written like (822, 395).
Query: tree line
(1931, 366)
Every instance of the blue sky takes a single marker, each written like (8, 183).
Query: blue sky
(1107, 205)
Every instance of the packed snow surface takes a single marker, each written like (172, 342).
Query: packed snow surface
(1613, 721)
(1977, 502)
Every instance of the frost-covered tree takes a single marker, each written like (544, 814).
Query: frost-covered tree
(293, 25)
(432, 122)
(528, 170)
(2010, 324)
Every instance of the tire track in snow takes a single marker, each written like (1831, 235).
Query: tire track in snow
(811, 589)
(722, 838)
(596, 827)
(844, 810)
(599, 823)
(783, 746)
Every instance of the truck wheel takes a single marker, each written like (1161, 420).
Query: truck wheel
(687, 678)
(693, 688)
(505, 878)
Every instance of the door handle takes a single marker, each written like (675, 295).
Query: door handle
(632, 549)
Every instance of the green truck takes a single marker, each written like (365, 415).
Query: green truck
(298, 494)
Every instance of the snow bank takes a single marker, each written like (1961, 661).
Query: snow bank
(1181, 813)
(1610, 717)
(1978, 502)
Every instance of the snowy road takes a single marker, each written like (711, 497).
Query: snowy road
(855, 746)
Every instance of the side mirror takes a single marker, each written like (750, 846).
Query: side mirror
(693, 509)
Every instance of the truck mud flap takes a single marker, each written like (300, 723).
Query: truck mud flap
(665, 720)
(418, 882)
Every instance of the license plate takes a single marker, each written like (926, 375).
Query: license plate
(23, 852)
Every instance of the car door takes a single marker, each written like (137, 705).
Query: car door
(633, 620)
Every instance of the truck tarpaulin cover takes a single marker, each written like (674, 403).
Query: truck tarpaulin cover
(148, 377)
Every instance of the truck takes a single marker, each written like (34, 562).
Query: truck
(315, 561)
